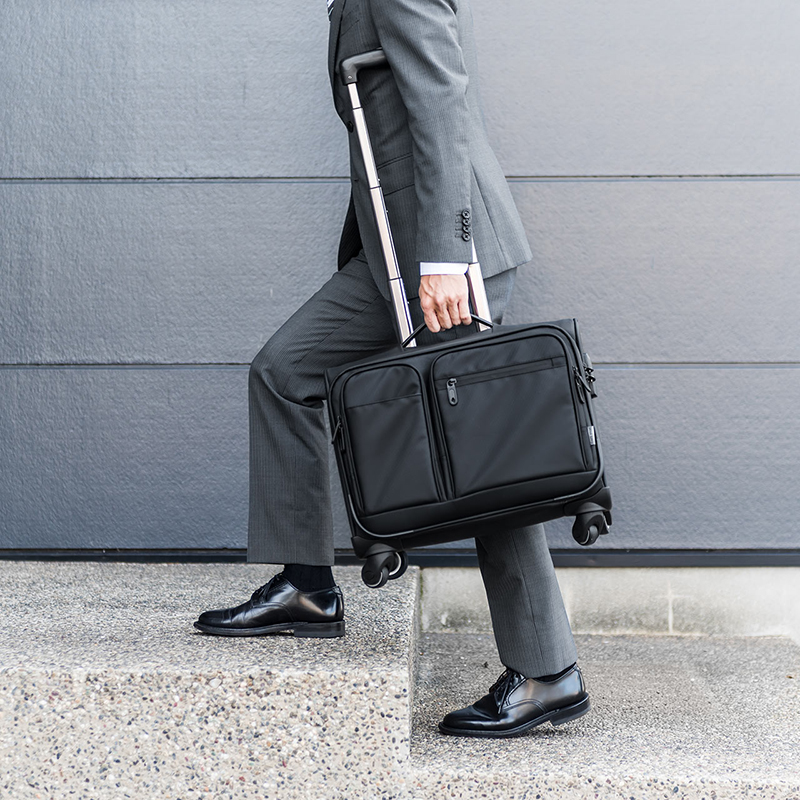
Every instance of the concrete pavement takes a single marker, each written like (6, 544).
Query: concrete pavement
(106, 691)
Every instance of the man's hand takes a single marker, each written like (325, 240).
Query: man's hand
(444, 300)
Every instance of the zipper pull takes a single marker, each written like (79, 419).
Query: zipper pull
(337, 431)
(588, 368)
(581, 381)
(583, 387)
(452, 395)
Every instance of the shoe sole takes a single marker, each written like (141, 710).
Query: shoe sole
(301, 630)
(559, 716)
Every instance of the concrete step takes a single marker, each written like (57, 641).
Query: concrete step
(672, 717)
(107, 691)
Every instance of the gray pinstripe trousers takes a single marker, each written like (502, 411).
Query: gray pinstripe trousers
(290, 517)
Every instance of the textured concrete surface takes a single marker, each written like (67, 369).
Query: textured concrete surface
(573, 88)
(119, 457)
(157, 457)
(159, 273)
(719, 601)
(172, 183)
(107, 691)
(182, 272)
(641, 88)
(674, 270)
(184, 88)
(671, 718)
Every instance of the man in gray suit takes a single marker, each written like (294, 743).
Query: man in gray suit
(443, 185)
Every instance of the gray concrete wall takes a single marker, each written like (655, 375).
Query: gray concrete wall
(171, 187)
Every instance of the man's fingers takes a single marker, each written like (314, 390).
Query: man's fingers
(431, 321)
(459, 311)
(463, 310)
(454, 310)
(436, 306)
(443, 315)
(428, 306)
(444, 301)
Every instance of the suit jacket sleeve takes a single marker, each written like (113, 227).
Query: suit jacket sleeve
(420, 39)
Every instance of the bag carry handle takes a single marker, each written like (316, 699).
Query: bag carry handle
(483, 323)
(348, 71)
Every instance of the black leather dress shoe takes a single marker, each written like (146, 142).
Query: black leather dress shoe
(279, 606)
(516, 704)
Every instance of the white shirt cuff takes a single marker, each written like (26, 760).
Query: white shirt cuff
(441, 268)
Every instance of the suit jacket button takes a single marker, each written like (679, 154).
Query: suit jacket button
(349, 125)
(465, 213)
(465, 236)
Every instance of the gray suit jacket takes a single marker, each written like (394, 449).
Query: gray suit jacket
(427, 128)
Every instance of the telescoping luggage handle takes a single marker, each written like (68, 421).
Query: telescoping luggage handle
(349, 69)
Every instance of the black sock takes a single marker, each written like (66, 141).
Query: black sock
(548, 678)
(308, 579)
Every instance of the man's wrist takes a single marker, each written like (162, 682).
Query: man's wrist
(442, 268)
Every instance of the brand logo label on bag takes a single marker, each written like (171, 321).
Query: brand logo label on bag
(592, 437)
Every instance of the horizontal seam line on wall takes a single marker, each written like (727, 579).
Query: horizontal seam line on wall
(135, 365)
(610, 365)
(604, 365)
(657, 177)
(435, 557)
(335, 179)
(189, 179)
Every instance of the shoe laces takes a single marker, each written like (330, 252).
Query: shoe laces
(504, 685)
(263, 591)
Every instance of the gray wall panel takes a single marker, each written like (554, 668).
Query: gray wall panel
(675, 270)
(126, 458)
(169, 272)
(138, 457)
(642, 88)
(180, 88)
(668, 270)
(699, 458)
(159, 272)
(196, 87)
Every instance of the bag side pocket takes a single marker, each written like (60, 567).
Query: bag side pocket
(389, 439)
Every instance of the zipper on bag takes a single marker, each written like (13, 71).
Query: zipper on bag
(434, 446)
(438, 441)
(452, 395)
(347, 457)
(581, 391)
(495, 373)
(336, 431)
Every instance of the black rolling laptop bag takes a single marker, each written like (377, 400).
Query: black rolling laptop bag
(464, 438)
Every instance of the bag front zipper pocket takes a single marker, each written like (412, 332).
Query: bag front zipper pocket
(451, 384)
(506, 414)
